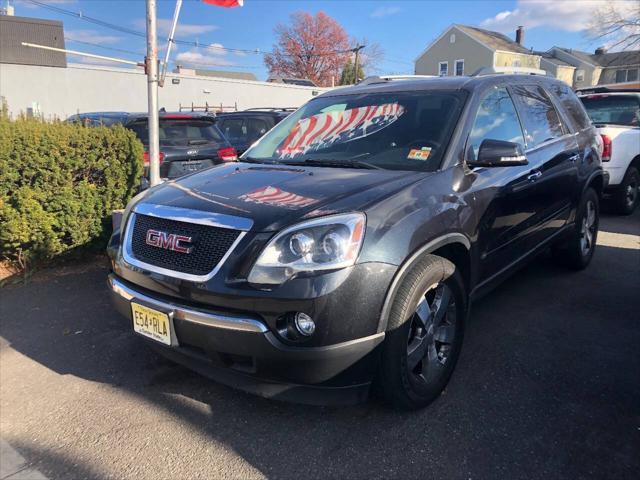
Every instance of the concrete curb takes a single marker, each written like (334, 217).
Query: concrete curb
(13, 466)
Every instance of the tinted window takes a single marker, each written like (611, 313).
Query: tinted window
(256, 127)
(233, 129)
(496, 120)
(392, 130)
(613, 109)
(572, 105)
(540, 119)
(176, 132)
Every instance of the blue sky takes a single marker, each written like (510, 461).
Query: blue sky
(402, 28)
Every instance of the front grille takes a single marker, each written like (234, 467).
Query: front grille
(209, 243)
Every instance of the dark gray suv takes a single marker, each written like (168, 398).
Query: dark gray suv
(345, 247)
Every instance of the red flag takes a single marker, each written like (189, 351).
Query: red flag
(225, 3)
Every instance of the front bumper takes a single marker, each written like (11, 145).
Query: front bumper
(243, 352)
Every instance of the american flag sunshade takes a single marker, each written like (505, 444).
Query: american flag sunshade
(329, 128)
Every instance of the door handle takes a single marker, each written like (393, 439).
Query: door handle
(574, 158)
(534, 176)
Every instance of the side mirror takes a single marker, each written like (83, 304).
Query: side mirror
(498, 153)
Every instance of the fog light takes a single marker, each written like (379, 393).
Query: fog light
(304, 324)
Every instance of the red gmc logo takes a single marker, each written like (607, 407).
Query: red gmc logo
(169, 241)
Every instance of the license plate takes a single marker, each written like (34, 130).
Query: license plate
(151, 323)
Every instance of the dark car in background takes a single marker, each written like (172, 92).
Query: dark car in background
(189, 142)
(243, 128)
(346, 246)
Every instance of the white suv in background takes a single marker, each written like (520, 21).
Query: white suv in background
(617, 118)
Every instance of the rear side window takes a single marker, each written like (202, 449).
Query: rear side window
(572, 105)
(540, 119)
(496, 119)
(233, 129)
(256, 127)
(613, 109)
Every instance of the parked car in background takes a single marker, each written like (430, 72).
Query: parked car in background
(243, 128)
(616, 114)
(347, 244)
(189, 142)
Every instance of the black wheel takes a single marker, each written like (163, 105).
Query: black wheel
(424, 335)
(577, 251)
(627, 194)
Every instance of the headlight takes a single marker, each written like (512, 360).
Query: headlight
(320, 244)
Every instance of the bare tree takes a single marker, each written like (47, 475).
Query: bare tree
(617, 24)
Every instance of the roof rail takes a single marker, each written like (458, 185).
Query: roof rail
(271, 109)
(508, 71)
(388, 78)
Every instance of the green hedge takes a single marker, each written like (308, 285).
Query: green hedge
(59, 183)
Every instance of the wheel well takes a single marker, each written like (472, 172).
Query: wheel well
(597, 183)
(635, 162)
(457, 254)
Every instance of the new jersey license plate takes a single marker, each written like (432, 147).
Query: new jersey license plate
(151, 323)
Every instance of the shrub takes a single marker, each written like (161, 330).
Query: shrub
(59, 183)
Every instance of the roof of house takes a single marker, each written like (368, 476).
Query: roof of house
(617, 59)
(549, 56)
(305, 82)
(493, 40)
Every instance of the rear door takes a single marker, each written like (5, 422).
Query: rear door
(553, 153)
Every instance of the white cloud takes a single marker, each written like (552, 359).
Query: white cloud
(384, 12)
(185, 29)
(197, 59)
(91, 36)
(560, 15)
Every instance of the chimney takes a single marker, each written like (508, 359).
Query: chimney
(520, 35)
(601, 50)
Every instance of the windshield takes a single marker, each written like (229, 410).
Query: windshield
(613, 109)
(177, 132)
(394, 130)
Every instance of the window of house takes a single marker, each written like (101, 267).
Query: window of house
(627, 75)
(459, 68)
(516, 62)
(452, 38)
(579, 75)
(572, 104)
(443, 69)
(539, 117)
(496, 119)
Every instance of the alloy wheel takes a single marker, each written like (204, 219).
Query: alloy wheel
(432, 333)
(588, 229)
(631, 193)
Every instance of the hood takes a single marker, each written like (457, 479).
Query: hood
(274, 196)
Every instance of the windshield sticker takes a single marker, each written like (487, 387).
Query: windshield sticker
(422, 154)
(329, 128)
(277, 197)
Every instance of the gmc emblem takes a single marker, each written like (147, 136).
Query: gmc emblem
(169, 241)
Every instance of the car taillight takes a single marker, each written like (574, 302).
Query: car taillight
(145, 158)
(228, 154)
(607, 148)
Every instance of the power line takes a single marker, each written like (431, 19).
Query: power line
(119, 28)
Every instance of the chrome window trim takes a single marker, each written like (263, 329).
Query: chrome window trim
(188, 314)
(187, 216)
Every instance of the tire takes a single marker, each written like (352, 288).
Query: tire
(627, 195)
(424, 334)
(577, 251)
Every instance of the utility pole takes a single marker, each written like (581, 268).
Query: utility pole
(356, 50)
(152, 93)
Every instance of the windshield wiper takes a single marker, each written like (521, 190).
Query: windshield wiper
(336, 163)
(263, 161)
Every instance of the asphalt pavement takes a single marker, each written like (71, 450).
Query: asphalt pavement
(548, 386)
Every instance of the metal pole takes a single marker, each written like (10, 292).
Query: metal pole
(357, 50)
(176, 13)
(152, 93)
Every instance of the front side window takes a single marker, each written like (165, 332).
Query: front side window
(539, 117)
(496, 119)
(459, 68)
(393, 130)
(233, 129)
(579, 75)
(256, 127)
(443, 69)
